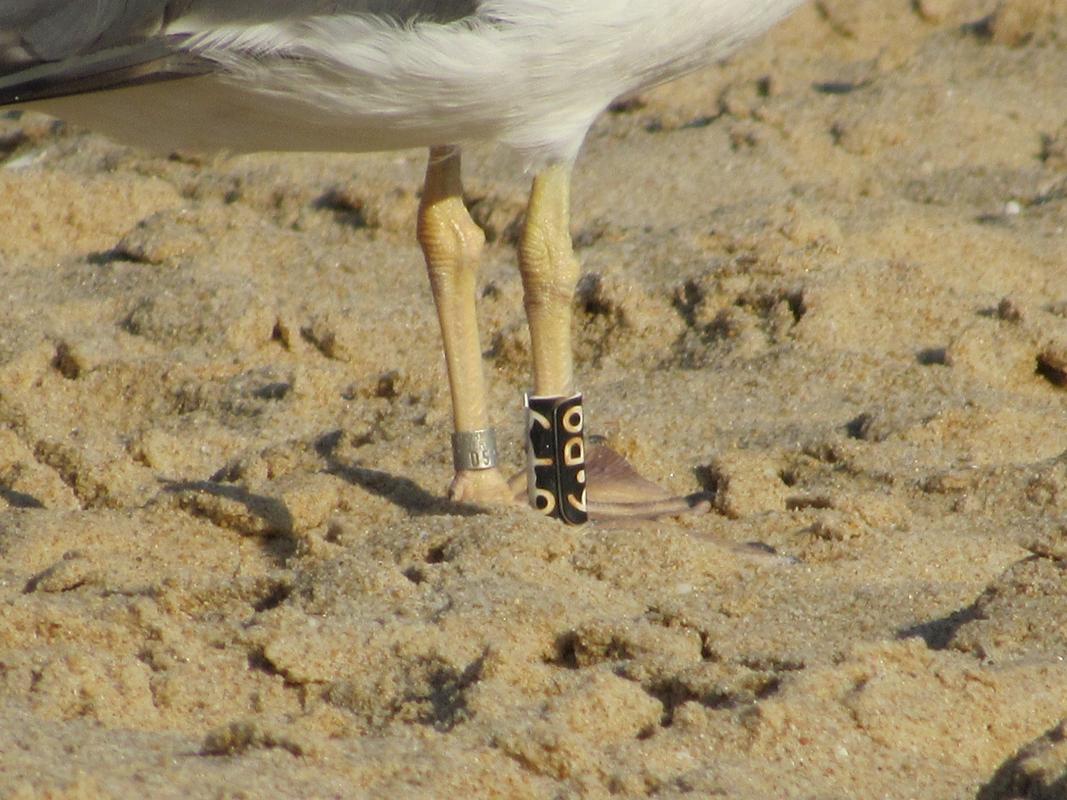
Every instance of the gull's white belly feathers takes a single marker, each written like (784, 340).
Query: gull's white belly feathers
(529, 73)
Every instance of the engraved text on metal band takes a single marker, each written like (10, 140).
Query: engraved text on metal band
(474, 449)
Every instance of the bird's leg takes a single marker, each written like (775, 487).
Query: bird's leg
(557, 467)
(549, 276)
(452, 244)
(555, 442)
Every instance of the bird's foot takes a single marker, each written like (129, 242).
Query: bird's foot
(617, 493)
(481, 487)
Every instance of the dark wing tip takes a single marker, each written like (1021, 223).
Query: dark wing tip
(145, 62)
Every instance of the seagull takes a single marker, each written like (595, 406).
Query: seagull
(372, 75)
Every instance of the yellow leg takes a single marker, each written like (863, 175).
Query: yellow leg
(549, 275)
(452, 244)
(555, 455)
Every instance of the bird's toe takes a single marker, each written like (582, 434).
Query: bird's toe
(480, 487)
(617, 492)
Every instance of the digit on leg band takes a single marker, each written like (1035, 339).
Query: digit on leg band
(474, 449)
(555, 457)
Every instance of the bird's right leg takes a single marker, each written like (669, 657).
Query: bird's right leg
(452, 244)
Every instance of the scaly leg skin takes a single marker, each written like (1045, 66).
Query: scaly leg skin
(452, 244)
(549, 276)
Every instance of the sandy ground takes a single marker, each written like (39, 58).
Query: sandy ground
(826, 282)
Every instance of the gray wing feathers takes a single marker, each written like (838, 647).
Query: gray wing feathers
(228, 12)
(50, 48)
(50, 30)
(150, 61)
(56, 47)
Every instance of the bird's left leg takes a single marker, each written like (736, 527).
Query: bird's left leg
(557, 464)
(452, 244)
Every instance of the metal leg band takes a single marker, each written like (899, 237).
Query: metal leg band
(474, 449)
(555, 457)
